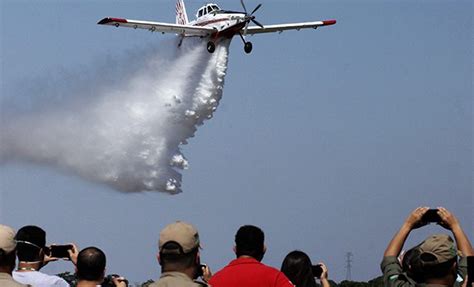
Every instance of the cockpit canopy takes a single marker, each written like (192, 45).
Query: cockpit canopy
(208, 8)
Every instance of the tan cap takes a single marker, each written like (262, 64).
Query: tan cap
(7, 238)
(437, 249)
(182, 233)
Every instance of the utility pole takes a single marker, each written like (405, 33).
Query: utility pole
(349, 256)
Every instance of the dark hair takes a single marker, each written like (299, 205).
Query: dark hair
(437, 271)
(7, 259)
(410, 264)
(34, 240)
(90, 264)
(249, 241)
(297, 267)
(177, 261)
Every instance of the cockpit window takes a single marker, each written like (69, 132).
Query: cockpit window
(209, 8)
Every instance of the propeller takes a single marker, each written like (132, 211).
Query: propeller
(250, 17)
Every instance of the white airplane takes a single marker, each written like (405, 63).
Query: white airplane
(213, 23)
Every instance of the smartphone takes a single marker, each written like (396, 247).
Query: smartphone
(60, 251)
(199, 272)
(431, 215)
(317, 270)
(470, 270)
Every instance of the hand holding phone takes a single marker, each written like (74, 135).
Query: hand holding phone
(431, 215)
(60, 251)
(200, 270)
(206, 272)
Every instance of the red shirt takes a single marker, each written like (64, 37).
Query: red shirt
(248, 272)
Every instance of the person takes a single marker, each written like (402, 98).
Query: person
(7, 257)
(31, 252)
(90, 268)
(179, 257)
(434, 261)
(298, 268)
(247, 270)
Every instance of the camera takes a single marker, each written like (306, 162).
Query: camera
(108, 282)
(431, 215)
(317, 270)
(199, 271)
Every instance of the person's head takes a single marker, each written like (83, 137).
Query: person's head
(7, 249)
(298, 268)
(249, 241)
(31, 242)
(91, 265)
(179, 248)
(437, 260)
(410, 264)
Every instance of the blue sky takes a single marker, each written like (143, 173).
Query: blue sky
(326, 139)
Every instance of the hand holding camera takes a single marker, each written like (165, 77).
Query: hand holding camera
(320, 271)
(204, 272)
(114, 280)
(55, 252)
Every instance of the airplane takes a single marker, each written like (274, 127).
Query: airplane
(214, 23)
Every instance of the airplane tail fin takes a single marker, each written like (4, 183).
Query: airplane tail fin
(181, 16)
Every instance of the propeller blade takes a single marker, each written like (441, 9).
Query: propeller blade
(257, 23)
(243, 5)
(256, 8)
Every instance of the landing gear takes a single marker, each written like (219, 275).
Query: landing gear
(248, 47)
(211, 47)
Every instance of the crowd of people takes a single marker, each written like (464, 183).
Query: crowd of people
(438, 261)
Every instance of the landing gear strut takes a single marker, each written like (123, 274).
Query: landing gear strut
(211, 47)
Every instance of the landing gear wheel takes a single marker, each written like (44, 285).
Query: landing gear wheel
(211, 47)
(248, 47)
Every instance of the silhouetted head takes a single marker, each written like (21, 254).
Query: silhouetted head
(31, 241)
(435, 260)
(179, 248)
(249, 241)
(297, 267)
(91, 264)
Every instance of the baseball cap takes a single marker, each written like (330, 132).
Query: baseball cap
(437, 249)
(7, 239)
(182, 233)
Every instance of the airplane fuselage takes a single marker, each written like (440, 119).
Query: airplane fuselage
(226, 24)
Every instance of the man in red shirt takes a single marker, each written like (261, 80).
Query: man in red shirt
(247, 270)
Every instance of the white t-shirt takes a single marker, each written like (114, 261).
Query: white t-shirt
(38, 279)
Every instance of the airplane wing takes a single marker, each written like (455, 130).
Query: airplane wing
(291, 26)
(187, 30)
